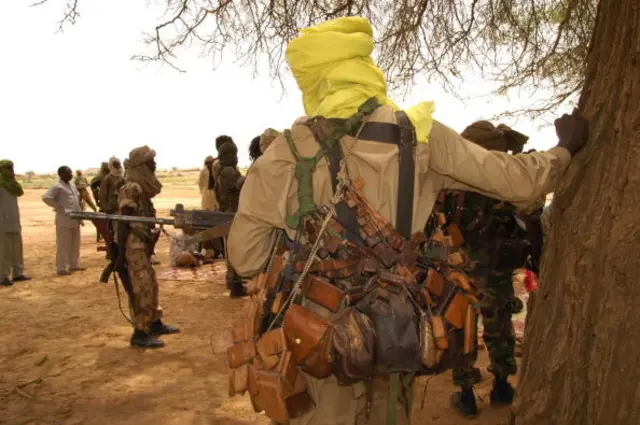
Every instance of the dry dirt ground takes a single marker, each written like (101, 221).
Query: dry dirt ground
(65, 359)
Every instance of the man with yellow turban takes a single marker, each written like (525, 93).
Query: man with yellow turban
(135, 245)
(398, 162)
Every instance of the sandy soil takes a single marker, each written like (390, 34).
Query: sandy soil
(65, 359)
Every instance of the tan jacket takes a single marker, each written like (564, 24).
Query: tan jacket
(209, 200)
(448, 161)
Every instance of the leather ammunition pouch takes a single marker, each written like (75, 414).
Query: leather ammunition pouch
(396, 329)
(309, 338)
(354, 345)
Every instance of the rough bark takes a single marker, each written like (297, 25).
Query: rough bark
(581, 362)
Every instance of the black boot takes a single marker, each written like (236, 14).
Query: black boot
(502, 393)
(237, 290)
(159, 328)
(6, 282)
(465, 402)
(142, 339)
(21, 278)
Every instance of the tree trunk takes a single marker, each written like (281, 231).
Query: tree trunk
(581, 362)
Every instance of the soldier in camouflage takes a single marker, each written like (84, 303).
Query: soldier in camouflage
(110, 187)
(135, 242)
(97, 180)
(229, 182)
(83, 193)
(496, 243)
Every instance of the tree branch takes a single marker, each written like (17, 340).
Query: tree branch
(534, 43)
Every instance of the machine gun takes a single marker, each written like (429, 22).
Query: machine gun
(202, 224)
(191, 221)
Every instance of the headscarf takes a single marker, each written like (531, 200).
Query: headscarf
(139, 172)
(501, 138)
(8, 178)
(113, 169)
(254, 149)
(221, 140)
(102, 172)
(228, 155)
(208, 162)
(267, 137)
(332, 65)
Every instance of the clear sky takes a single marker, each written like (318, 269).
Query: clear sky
(76, 98)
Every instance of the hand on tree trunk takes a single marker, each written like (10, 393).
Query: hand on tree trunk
(572, 131)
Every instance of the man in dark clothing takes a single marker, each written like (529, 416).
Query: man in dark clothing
(497, 244)
(228, 185)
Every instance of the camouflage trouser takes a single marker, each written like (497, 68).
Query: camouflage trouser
(84, 198)
(498, 304)
(144, 302)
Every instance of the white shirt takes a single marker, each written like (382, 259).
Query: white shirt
(9, 212)
(178, 245)
(63, 197)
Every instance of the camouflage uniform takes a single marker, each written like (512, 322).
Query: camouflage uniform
(109, 188)
(496, 243)
(83, 194)
(228, 185)
(97, 180)
(144, 302)
(109, 191)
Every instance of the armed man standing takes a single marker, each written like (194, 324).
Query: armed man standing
(497, 245)
(11, 258)
(333, 68)
(135, 242)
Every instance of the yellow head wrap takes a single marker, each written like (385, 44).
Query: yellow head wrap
(332, 65)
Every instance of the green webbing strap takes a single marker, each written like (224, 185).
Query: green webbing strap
(394, 394)
(406, 383)
(396, 385)
(305, 166)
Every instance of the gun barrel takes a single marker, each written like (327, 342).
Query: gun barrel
(86, 215)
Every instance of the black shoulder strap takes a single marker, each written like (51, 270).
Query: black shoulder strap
(406, 174)
(346, 216)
